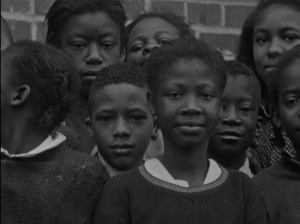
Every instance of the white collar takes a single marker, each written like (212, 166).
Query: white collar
(50, 142)
(157, 170)
(246, 168)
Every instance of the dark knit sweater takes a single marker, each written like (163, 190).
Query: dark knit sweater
(137, 197)
(280, 188)
(58, 186)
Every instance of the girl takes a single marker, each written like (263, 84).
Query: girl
(272, 29)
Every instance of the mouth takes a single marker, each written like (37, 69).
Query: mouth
(190, 128)
(122, 149)
(270, 68)
(230, 135)
(90, 75)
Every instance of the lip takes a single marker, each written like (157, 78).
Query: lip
(90, 75)
(122, 148)
(230, 135)
(270, 68)
(190, 127)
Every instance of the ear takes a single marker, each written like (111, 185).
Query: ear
(123, 55)
(88, 123)
(21, 96)
(150, 100)
(276, 116)
(258, 126)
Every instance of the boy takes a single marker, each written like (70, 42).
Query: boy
(280, 184)
(120, 117)
(239, 121)
(187, 80)
(92, 33)
(42, 179)
(6, 38)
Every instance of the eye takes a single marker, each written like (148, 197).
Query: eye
(291, 101)
(105, 118)
(174, 95)
(261, 39)
(246, 109)
(138, 117)
(107, 45)
(136, 47)
(290, 37)
(206, 96)
(78, 45)
(164, 41)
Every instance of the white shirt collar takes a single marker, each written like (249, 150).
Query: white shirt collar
(157, 170)
(51, 142)
(246, 168)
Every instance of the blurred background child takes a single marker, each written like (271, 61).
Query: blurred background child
(272, 29)
(280, 184)
(239, 121)
(42, 179)
(120, 117)
(92, 33)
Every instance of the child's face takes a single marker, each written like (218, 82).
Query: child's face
(93, 41)
(122, 124)
(238, 119)
(187, 103)
(276, 30)
(289, 102)
(147, 35)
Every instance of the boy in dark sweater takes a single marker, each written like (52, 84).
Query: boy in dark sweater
(42, 179)
(280, 184)
(239, 120)
(120, 117)
(92, 33)
(187, 80)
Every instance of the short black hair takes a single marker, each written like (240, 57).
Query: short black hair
(184, 48)
(51, 77)
(62, 10)
(245, 47)
(285, 61)
(235, 68)
(115, 74)
(177, 21)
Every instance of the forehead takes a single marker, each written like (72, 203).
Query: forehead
(290, 79)
(240, 87)
(121, 96)
(188, 71)
(278, 17)
(91, 25)
(151, 26)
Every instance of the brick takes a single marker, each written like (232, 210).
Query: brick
(236, 15)
(165, 6)
(42, 6)
(15, 5)
(41, 32)
(221, 41)
(134, 8)
(19, 29)
(208, 14)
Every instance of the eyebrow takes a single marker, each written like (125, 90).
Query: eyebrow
(281, 30)
(104, 35)
(291, 91)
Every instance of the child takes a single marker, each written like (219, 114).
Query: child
(147, 32)
(239, 122)
(153, 30)
(92, 33)
(187, 80)
(273, 28)
(280, 184)
(6, 38)
(121, 123)
(42, 180)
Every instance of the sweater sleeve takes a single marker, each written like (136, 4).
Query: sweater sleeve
(81, 201)
(255, 211)
(114, 205)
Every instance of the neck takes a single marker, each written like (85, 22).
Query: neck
(230, 162)
(19, 139)
(185, 163)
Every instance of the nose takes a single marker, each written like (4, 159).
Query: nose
(230, 117)
(149, 48)
(121, 129)
(94, 55)
(192, 107)
(275, 48)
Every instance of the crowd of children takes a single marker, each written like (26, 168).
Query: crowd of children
(111, 124)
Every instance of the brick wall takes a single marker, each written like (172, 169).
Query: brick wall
(216, 21)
